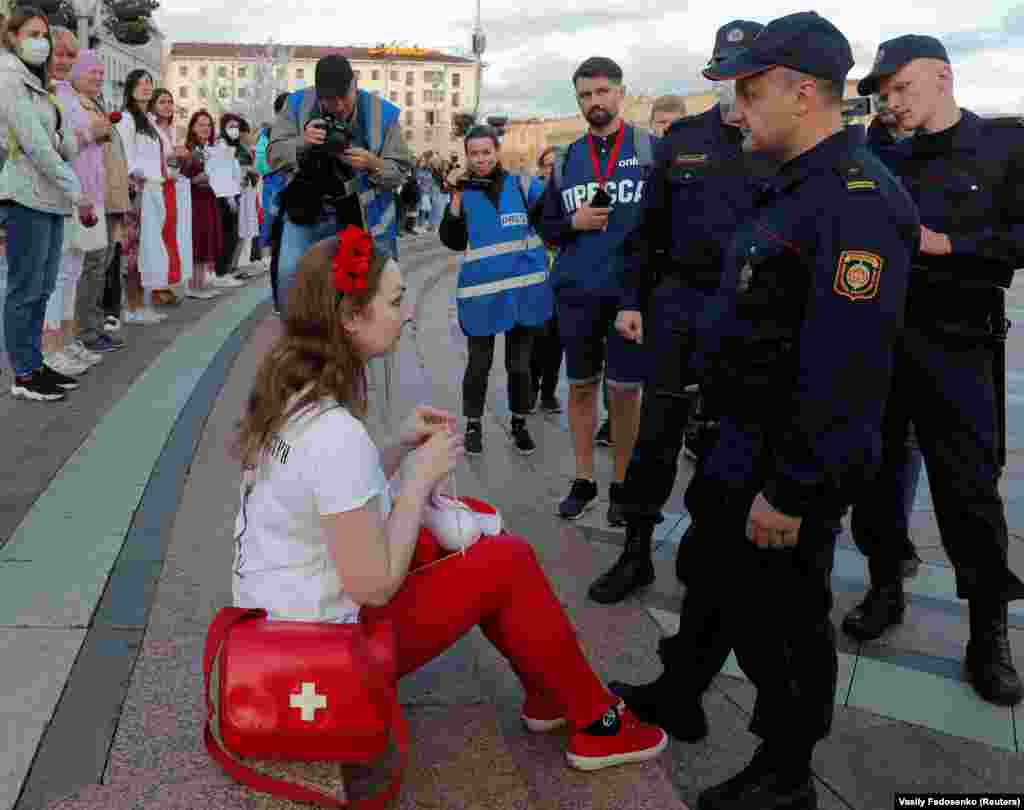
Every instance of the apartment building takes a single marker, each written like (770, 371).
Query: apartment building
(428, 85)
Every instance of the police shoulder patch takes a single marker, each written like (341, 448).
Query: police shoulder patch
(692, 158)
(858, 275)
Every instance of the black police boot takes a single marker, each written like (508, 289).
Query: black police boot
(660, 703)
(767, 783)
(689, 536)
(632, 571)
(881, 609)
(989, 662)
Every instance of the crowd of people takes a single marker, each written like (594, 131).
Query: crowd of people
(723, 259)
(109, 220)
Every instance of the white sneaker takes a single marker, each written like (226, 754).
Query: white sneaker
(112, 324)
(144, 316)
(451, 521)
(227, 281)
(212, 291)
(63, 363)
(77, 351)
(201, 294)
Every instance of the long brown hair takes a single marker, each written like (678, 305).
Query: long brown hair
(314, 358)
(191, 140)
(15, 21)
(159, 93)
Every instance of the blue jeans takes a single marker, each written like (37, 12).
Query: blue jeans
(34, 241)
(295, 241)
(438, 202)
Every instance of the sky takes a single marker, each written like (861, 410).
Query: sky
(661, 46)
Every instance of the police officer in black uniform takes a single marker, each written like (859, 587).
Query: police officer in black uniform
(797, 343)
(699, 190)
(967, 176)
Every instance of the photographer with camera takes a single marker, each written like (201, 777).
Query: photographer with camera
(346, 150)
(503, 280)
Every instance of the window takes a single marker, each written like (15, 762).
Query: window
(431, 118)
(183, 71)
(428, 134)
(456, 80)
(410, 99)
(202, 72)
(394, 96)
(241, 72)
(410, 79)
(182, 114)
(408, 136)
(222, 72)
(222, 92)
(242, 92)
(358, 74)
(375, 75)
(394, 75)
(202, 92)
(456, 100)
(182, 92)
(300, 73)
(433, 76)
(409, 117)
(279, 74)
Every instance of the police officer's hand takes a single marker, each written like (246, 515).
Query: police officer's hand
(769, 528)
(454, 176)
(935, 244)
(314, 134)
(361, 159)
(630, 324)
(588, 218)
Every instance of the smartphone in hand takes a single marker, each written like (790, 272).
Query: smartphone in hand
(601, 199)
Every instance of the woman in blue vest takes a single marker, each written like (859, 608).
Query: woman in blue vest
(503, 281)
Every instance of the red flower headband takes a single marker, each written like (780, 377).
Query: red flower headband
(352, 261)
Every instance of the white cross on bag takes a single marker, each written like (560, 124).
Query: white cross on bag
(308, 701)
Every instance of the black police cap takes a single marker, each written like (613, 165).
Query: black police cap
(733, 38)
(333, 76)
(895, 53)
(803, 41)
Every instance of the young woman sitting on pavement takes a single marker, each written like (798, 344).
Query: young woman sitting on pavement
(322, 537)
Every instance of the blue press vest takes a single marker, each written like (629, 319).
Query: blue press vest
(374, 118)
(503, 279)
(593, 260)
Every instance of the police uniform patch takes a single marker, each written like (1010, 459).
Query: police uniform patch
(858, 275)
(692, 158)
(861, 185)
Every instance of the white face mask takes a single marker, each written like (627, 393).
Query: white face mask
(35, 51)
(232, 132)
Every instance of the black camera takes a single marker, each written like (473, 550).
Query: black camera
(339, 133)
(473, 183)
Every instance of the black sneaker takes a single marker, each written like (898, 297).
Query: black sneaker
(550, 404)
(36, 387)
(474, 438)
(616, 517)
(603, 436)
(521, 436)
(581, 498)
(58, 379)
(104, 344)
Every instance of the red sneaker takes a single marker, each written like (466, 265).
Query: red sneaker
(619, 738)
(540, 714)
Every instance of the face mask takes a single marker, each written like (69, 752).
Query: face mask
(232, 133)
(35, 51)
(725, 92)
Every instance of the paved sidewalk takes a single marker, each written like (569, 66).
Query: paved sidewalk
(102, 633)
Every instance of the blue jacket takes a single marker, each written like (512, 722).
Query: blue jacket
(797, 344)
(593, 261)
(374, 118)
(503, 279)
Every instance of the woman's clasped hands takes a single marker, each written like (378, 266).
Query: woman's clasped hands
(435, 443)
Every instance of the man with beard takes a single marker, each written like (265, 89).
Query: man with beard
(700, 190)
(590, 205)
(824, 255)
(967, 176)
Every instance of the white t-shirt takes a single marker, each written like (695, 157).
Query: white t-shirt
(323, 462)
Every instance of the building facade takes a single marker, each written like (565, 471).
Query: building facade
(119, 60)
(429, 86)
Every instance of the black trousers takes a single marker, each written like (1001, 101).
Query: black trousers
(276, 231)
(546, 358)
(518, 342)
(112, 288)
(944, 385)
(229, 222)
(772, 605)
(669, 327)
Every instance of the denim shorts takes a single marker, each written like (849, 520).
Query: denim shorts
(587, 326)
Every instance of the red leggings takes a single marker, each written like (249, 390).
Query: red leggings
(500, 586)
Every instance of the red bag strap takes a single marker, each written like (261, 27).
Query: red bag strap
(224, 620)
(297, 793)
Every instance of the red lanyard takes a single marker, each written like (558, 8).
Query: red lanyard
(602, 177)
